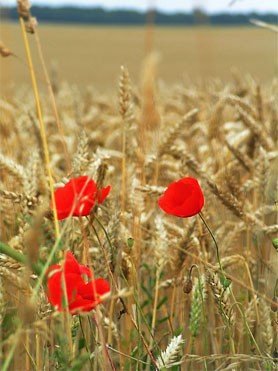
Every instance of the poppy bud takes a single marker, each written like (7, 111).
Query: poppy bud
(275, 243)
(225, 281)
(187, 287)
(130, 242)
(274, 304)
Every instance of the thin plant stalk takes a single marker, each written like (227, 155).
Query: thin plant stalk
(116, 286)
(232, 345)
(52, 99)
(232, 277)
(123, 173)
(42, 126)
(85, 340)
(8, 359)
(158, 271)
(38, 353)
(104, 347)
(27, 351)
(216, 245)
(239, 305)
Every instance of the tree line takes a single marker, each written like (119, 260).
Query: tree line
(100, 16)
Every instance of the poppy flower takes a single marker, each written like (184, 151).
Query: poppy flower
(81, 296)
(78, 197)
(182, 198)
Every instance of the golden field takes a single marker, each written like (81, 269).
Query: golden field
(188, 290)
(93, 55)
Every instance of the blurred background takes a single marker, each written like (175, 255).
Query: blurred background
(86, 42)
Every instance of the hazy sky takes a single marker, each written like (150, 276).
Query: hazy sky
(169, 5)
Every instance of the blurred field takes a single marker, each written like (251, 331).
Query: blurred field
(93, 55)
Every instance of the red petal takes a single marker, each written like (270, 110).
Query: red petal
(87, 291)
(78, 197)
(73, 279)
(53, 268)
(93, 289)
(88, 295)
(54, 289)
(83, 185)
(102, 286)
(85, 270)
(103, 194)
(73, 282)
(64, 197)
(81, 304)
(80, 296)
(183, 198)
(71, 264)
(85, 189)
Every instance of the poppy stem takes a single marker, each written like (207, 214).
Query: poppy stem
(191, 269)
(216, 245)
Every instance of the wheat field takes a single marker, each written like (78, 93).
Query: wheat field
(82, 55)
(169, 306)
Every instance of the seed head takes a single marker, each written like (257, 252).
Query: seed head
(4, 51)
(31, 25)
(23, 8)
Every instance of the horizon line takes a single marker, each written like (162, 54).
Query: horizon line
(157, 9)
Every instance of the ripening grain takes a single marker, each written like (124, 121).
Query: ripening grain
(178, 289)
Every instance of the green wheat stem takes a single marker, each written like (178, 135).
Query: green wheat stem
(19, 257)
(238, 305)
(275, 292)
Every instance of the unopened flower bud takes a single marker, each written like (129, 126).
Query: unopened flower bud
(274, 304)
(187, 287)
(130, 242)
(275, 243)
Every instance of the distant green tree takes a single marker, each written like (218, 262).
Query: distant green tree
(98, 16)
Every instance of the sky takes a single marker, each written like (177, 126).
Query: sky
(168, 5)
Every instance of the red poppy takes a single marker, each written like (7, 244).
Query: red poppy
(182, 198)
(78, 197)
(81, 296)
